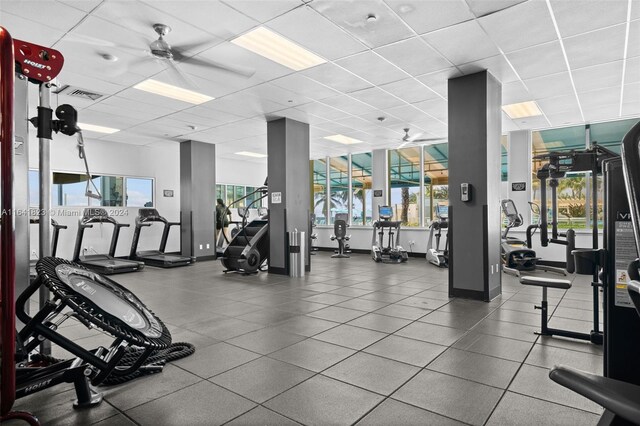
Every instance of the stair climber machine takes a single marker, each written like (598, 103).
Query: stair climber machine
(67, 291)
(340, 225)
(106, 264)
(436, 256)
(392, 252)
(516, 254)
(248, 251)
(156, 257)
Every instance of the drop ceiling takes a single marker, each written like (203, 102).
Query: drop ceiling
(579, 60)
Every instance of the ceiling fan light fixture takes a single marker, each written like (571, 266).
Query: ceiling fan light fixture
(174, 92)
(345, 140)
(522, 109)
(277, 48)
(251, 154)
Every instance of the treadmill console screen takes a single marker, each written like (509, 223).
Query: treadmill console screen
(385, 212)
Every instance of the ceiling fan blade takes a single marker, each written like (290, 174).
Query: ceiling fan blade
(235, 69)
(197, 46)
(179, 76)
(94, 41)
(429, 139)
(414, 137)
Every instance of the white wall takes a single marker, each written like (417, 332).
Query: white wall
(239, 172)
(158, 160)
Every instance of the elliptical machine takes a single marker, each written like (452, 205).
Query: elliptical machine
(393, 251)
(340, 226)
(436, 256)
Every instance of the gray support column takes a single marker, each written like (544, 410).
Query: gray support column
(289, 195)
(379, 180)
(519, 164)
(197, 200)
(474, 158)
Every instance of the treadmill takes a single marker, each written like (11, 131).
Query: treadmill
(156, 257)
(54, 243)
(105, 264)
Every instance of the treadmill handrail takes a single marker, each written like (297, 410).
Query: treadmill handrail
(87, 222)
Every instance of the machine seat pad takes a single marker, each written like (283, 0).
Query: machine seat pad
(546, 282)
(622, 399)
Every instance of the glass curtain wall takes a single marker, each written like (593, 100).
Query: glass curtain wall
(319, 196)
(361, 194)
(404, 183)
(436, 179)
(338, 186)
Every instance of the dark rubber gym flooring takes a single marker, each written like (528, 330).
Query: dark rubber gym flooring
(354, 342)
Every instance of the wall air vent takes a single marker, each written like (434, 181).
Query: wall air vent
(78, 93)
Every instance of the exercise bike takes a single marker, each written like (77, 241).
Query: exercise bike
(436, 256)
(340, 226)
(393, 251)
(517, 254)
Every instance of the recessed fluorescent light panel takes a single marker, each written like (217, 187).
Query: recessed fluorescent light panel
(97, 129)
(251, 154)
(265, 42)
(346, 140)
(522, 110)
(174, 92)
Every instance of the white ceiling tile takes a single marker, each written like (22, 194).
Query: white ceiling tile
(632, 93)
(324, 111)
(524, 25)
(549, 85)
(609, 95)
(596, 47)
(188, 117)
(213, 17)
(598, 76)
(632, 72)
(335, 77)
(349, 105)
(496, 65)
(131, 138)
(302, 85)
(414, 56)
(558, 104)
(548, 60)
(84, 5)
(437, 108)
(410, 90)
(118, 106)
(372, 67)
(292, 113)
(425, 16)
(565, 118)
(277, 94)
(358, 123)
(26, 30)
(41, 11)
(263, 11)
(100, 118)
(312, 31)
(602, 112)
(88, 82)
(633, 49)
(514, 92)
(377, 98)
(351, 15)
(462, 43)
(537, 122)
(407, 114)
(439, 81)
(580, 16)
(217, 116)
(635, 10)
(485, 7)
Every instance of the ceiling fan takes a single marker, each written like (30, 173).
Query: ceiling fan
(162, 51)
(415, 139)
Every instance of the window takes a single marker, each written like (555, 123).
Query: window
(404, 182)
(239, 193)
(112, 191)
(34, 188)
(339, 186)
(319, 179)
(436, 179)
(361, 194)
(575, 190)
(230, 195)
(504, 166)
(68, 189)
(254, 200)
(220, 191)
(139, 192)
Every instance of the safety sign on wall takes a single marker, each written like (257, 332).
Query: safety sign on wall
(276, 197)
